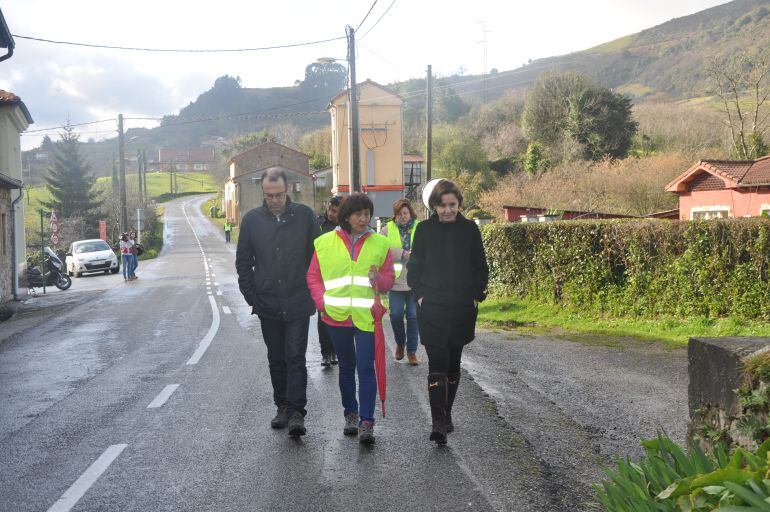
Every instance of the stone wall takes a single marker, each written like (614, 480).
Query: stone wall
(270, 154)
(6, 250)
(729, 397)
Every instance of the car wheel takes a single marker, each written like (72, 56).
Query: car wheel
(78, 274)
(114, 270)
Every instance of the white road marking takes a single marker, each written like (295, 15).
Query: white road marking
(72, 495)
(163, 396)
(206, 341)
(219, 292)
(216, 284)
(226, 310)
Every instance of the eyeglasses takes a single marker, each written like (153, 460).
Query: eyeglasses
(278, 196)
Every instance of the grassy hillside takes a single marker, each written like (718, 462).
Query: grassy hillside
(157, 189)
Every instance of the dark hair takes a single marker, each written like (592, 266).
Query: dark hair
(273, 175)
(441, 188)
(352, 204)
(398, 205)
(335, 200)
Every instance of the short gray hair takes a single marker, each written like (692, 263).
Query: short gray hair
(274, 175)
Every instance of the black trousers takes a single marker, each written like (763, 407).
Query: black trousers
(324, 339)
(444, 358)
(286, 346)
(227, 237)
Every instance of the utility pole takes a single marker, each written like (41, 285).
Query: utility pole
(144, 169)
(484, 41)
(354, 156)
(122, 175)
(428, 124)
(139, 172)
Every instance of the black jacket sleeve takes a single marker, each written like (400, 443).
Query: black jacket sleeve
(416, 261)
(245, 259)
(479, 267)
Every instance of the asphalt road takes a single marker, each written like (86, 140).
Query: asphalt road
(76, 432)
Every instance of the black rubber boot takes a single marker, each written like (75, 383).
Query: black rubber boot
(453, 381)
(437, 393)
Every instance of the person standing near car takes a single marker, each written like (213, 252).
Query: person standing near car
(328, 222)
(400, 234)
(274, 249)
(125, 255)
(134, 255)
(448, 274)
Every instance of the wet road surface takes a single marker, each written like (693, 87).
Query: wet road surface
(155, 395)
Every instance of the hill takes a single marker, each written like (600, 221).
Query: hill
(666, 62)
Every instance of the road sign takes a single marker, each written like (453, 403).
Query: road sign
(54, 229)
(54, 239)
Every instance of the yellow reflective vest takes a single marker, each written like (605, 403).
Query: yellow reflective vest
(348, 292)
(394, 239)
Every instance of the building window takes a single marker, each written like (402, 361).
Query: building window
(199, 167)
(181, 167)
(710, 214)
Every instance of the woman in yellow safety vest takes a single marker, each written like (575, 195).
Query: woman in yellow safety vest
(347, 266)
(400, 234)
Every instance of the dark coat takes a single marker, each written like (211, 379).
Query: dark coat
(326, 224)
(272, 259)
(448, 270)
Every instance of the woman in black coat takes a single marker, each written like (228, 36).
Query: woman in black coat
(448, 274)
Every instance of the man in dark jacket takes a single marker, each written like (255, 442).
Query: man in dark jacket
(328, 222)
(274, 251)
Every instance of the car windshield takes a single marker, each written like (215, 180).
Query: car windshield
(97, 245)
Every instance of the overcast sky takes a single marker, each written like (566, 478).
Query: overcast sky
(57, 81)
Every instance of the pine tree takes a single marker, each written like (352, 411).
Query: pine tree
(69, 181)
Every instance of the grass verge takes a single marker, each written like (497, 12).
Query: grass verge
(153, 240)
(534, 318)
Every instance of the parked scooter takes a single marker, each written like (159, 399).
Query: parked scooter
(53, 276)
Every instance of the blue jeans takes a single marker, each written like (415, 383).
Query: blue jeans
(400, 301)
(126, 265)
(134, 263)
(286, 346)
(355, 351)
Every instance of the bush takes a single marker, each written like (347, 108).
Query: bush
(638, 268)
(668, 479)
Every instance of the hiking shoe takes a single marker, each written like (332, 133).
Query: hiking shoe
(327, 361)
(412, 358)
(334, 358)
(366, 432)
(297, 425)
(281, 418)
(351, 424)
(399, 352)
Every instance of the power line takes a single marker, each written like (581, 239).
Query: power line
(367, 15)
(70, 125)
(180, 50)
(378, 20)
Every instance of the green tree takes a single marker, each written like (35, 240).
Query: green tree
(69, 181)
(456, 151)
(570, 106)
(318, 146)
(247, 141)
(534, 159)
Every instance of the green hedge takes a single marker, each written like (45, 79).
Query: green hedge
(641, 268)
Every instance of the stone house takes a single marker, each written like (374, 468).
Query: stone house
(718, 189)
(243, 188)
(187, 160)
(14, 119)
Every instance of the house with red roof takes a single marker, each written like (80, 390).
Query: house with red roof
(720, 189)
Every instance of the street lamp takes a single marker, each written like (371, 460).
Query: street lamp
(354, 154)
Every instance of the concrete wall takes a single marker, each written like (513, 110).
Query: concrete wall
(12, 123)
(739, 203)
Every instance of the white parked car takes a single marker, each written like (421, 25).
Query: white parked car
(91, 256)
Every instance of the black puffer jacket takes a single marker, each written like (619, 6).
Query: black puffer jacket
(272, 260)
